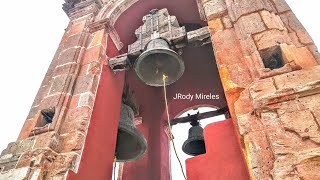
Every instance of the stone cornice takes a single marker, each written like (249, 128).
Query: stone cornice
(75, 9)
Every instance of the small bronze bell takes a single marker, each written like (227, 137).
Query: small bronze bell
(131, 144)
(157, 60)
(194, 145)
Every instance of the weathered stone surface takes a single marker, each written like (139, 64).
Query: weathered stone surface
(76, 119)
(8, 162)
(69, 55)
(281, 5)
(87, 83)
(73, 141)
(261, 156)
(19, 146)
(227, 22)
(47, 140)
(301, 56)
(70, 68)
(271, 38)
(98, 39)
(272, 21)
(293, 25)
(15, 174)
(59, 84)
(73, 41)
(92, 68)
(215, 25)
(214, 8)
(93, 54)
(297, 78)
(239, 8)
(86, 99)
(303, 123)
(262, 88)
(250, 24)
(230, 59)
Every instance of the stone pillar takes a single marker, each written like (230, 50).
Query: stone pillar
(269, 68)
(52, 140)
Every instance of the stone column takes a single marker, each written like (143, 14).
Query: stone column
(269, 68)
(51, 142)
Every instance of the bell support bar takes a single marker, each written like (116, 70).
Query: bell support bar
(196, 38)
(200, 116)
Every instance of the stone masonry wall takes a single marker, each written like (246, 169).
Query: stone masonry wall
(277, 110)
(268, 65)
(48, 150)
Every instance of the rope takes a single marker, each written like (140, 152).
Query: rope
(114, 167)
(164, 77)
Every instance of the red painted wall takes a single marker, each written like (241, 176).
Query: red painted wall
(98, 155)
(223, 160)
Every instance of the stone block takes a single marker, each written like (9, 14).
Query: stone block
(250, 24)
(77, 119)
(69, 55)
(271, 38)
(281, 5)
(15, 174)
(28, 125)
(73, 141)
(70, 68)
(86, 99)
(8, 162)
(59, 84)
(87, 83)
(262, 88)
(38, 158)
(214, 8)
(260, 153)
(303, 123)
(73, 41)
(291, 21)
(215, 25)
(301, 56)
(65, 162)
(50, 101)
(244, 7)
(91, 68)
(248, 45)
(47, 140)
(227, 23)
(304, 37)
(249, 123)
(93, 54)
(272, 21)
(309, 169)
(297, 78)
(295, 39)
(98, 39)
(76, 28)
(19, 146)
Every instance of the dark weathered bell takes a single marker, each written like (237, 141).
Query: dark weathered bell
(157, 60)
(131, 144)
(194, 145)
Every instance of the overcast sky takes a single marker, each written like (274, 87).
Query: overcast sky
(30, 33)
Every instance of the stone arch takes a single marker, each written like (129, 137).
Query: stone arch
(113, 9)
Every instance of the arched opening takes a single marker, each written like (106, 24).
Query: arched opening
(200, 80)
(180, 133)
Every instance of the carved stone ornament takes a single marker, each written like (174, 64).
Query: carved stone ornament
(159, 24)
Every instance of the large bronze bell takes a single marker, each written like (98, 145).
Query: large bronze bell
(157, 60)
(131, 144)
(194, 145)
